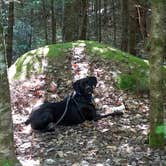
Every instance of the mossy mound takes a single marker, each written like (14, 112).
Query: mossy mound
(35, 61)
(134, 72)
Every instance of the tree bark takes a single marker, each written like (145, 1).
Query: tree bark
(9, 39)
(114, 22)
(45, 21)
(99, 25)
(105, 11)
(157, 50)
(125, 21)
(53, 20)
(96, 9)
(7, 155)
(31, 31)
(132, 27)
(84, 19)
(70, 20)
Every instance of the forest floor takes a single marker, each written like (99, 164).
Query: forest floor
(114, 141)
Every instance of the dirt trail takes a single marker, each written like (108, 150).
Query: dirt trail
(114, 142)
(79, 62)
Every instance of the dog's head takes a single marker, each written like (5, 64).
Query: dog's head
(85, 86)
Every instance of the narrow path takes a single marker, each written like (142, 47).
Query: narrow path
(79, 62)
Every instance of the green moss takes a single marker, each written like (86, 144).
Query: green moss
(31, 62)
(134, 71)
(156, 139)
(59, 49)
(106, 51)
(9, 162)
(126, 81)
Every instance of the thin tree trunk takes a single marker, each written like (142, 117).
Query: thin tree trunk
(7, 155)
(105, 11)
(96, 19)
(70, 20)
(114, 21)
(157, 50)
(9, 40)
(45, 22)
(84, 19)
(132, 27)
(125, 21)
(53, 20)
(99, 25)
(31, 31)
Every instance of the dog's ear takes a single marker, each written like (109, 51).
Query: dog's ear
(93, 80)
(76, 86)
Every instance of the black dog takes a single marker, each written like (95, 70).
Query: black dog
(73, 110)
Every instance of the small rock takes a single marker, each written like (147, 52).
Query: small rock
(49, 162)
(84, 163)
(60, 154)
(76, 164)
(25, 145)
(108, 162)
(99, 164)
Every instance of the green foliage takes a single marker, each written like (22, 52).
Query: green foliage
(9, 162)
(126, 81)
(136, 81)
(156, 139)
(158, 2)
(161, 130)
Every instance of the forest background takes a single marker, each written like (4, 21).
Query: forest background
(133, 26)
(31, 24)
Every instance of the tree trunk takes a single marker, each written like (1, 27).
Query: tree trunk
(70, 20)
(7, 155)
(31, 31)
(45, 21)
(96, 19)
(125, 21)
(105, 11)
(158, 43)
(114, 22)
(132, 26)
(53, 20)
(99, 25)
(84, 19)
(9, 39)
